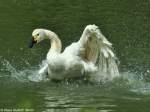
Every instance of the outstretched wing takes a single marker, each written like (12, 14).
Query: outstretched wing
(97, 49)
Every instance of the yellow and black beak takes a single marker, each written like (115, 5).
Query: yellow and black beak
(32, 42)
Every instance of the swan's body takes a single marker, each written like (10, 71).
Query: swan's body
(90, 57)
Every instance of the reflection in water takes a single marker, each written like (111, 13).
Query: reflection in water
(77, 103)
(107, 97)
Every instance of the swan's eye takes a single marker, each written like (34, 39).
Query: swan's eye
(38, 34)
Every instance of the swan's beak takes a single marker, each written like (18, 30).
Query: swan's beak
(32, 42)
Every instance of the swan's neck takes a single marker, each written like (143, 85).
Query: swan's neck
(56, 45)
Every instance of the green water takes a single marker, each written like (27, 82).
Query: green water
(125, 23)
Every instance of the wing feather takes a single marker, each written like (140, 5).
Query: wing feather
(98, 49)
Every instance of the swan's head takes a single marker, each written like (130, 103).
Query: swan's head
(37, 36)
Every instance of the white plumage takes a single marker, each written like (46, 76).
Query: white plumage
(91, 57)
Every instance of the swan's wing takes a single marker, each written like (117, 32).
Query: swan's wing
(97, 49)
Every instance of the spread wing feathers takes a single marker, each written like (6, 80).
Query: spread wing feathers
(97, 49)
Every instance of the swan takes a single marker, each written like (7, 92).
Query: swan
(91, 57)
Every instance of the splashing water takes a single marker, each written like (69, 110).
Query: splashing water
(22, 75)
(134, 82)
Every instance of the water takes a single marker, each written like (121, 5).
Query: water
(125, 23)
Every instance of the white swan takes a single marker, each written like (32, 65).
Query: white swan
(91, 57)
